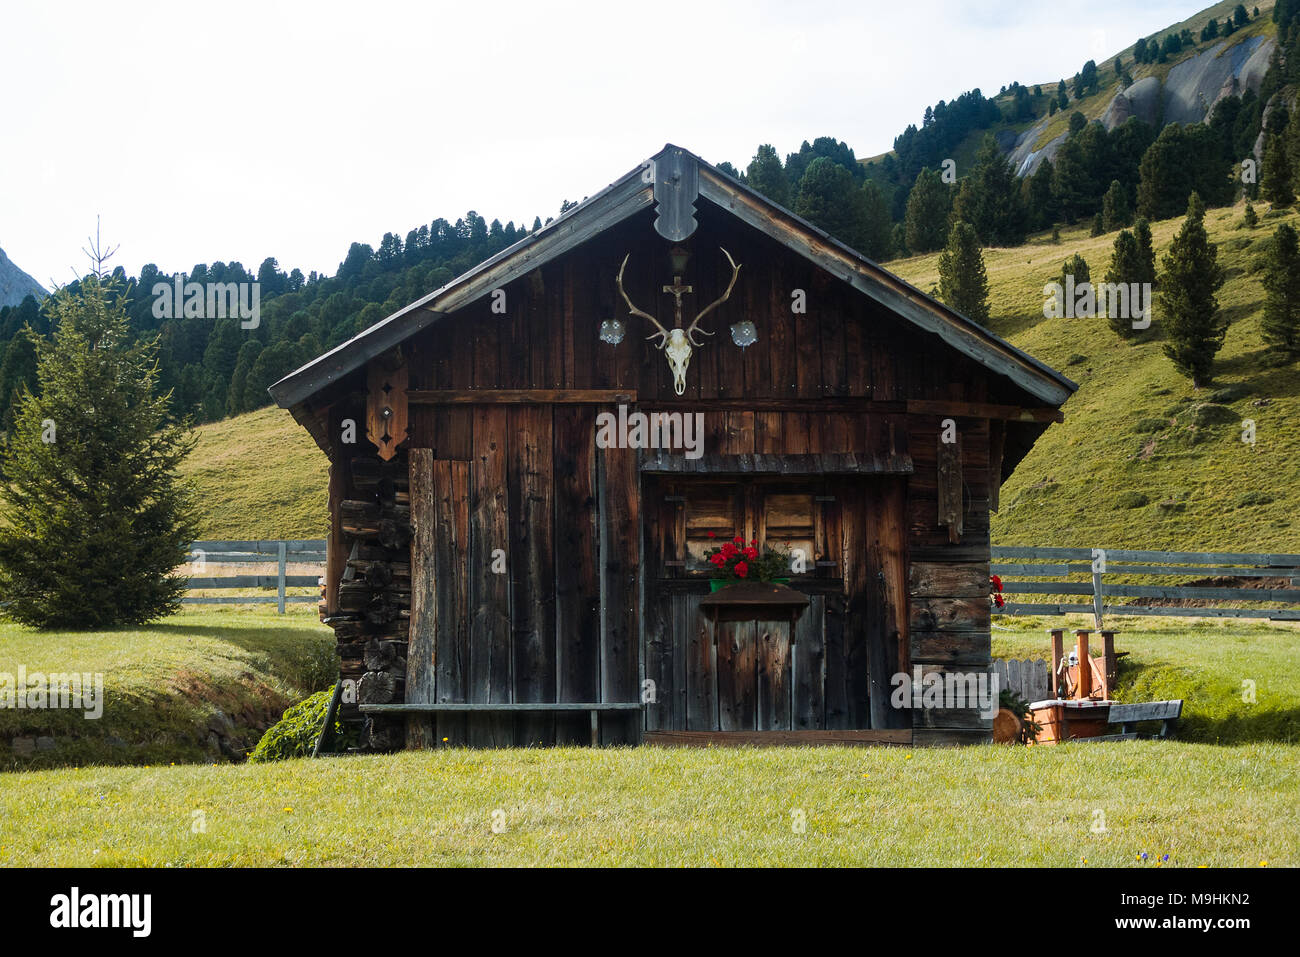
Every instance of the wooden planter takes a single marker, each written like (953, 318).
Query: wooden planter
(755, 601)
(1064, 719)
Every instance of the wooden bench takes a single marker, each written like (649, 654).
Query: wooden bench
(462, 707)
(1128, 715)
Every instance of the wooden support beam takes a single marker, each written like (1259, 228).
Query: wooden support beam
(1058, 649)
(1085, 663)
(518, 396)
(950, 488)
(997, 444)
(982, 410)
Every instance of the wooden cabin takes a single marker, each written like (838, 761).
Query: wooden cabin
(498, 576)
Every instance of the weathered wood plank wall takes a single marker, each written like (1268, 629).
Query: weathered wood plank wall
(582, 536)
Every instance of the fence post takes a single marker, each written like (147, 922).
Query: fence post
(283, 549)
(1098, 569)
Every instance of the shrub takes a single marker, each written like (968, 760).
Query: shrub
(1229, 393)
(1151, 424)
(1253, 498)
(1209, 413)
(1076, 359)
(1131, 499)
(294, 735)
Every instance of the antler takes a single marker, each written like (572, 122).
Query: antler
(662, 334)
(691, 330)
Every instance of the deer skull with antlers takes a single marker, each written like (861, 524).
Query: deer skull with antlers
(678, 343)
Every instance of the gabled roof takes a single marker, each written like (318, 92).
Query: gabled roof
(672, 181)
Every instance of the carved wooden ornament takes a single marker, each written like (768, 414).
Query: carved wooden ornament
(386, 408)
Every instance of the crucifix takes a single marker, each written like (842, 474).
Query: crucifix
(678, 290)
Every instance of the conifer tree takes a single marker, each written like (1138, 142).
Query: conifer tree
(1077, 267)
(926, 219)
(874, 223)
(1188, 306)
(1249, 218)
(1114, 207)
(963, 282)
(94, 519)
(1146, 251)
(995, 209)
(1124, 269)
(1275, 182)
(1281, 320)
(767, 176)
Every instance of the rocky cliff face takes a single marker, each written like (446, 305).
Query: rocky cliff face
(1187, 95)
(16, 285)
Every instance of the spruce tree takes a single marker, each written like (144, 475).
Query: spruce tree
(1125, 269)
(828, 198)
(1146, 251)
(1098, 225)
(1249, 218)
(1275, 184)
(996, 210)
(963, 283)
(926, 219)
(1114, 207)
(1188, 307)
(1077, 267)
(874, 223)
(1281, 320)
(94, 519)
(767, 176)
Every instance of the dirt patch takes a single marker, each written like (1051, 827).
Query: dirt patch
(1218, 582)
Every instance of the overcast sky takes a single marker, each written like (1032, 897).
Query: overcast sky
(236, 131)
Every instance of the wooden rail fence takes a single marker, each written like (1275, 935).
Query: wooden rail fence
(282, 553)
(1102, 574)
(1094, 574)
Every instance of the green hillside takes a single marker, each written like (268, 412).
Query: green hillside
(1136, 426)
(259, 475)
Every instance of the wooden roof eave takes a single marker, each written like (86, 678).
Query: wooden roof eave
(891, 292)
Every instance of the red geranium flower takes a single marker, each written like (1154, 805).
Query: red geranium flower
(717, 559)
(997, 582)
(998, 600)
(751, 553)
(738, 540)
(741, 569)
(728, 550)
(712, 535)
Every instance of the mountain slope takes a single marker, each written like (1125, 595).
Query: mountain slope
(259, 475)
(16, 285)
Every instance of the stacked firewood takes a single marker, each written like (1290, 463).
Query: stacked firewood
(373, 619)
